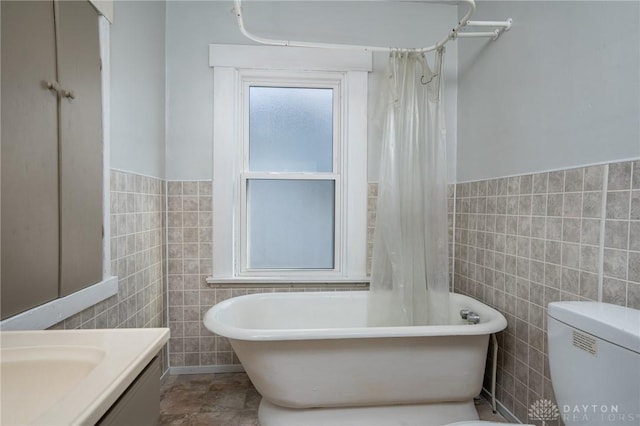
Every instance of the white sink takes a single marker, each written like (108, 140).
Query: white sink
(45, 374)
(71, 376)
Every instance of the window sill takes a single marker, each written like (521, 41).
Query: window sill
(284, 281)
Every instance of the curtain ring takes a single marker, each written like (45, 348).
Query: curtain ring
(430, 80)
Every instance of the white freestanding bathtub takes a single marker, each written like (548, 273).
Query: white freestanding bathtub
(315, 361)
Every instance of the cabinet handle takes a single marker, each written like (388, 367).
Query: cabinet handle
(69, 94)
(53, 86)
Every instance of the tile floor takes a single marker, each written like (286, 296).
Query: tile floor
(226, 400)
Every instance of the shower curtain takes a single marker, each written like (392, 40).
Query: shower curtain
(409, 274)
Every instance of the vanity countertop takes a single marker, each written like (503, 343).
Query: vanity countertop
(70, 377)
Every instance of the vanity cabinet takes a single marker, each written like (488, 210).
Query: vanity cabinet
(51, 152)
(139, 405)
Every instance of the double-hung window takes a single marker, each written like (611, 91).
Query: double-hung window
(290, 180)
(289, 166)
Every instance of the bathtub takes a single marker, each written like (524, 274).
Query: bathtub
(314, 360)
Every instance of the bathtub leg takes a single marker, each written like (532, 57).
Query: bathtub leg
(494, 372)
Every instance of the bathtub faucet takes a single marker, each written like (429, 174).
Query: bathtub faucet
(470, 316)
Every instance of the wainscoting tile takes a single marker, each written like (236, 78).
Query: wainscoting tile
(619, 176)
(543, 245)
(573, 180)
(137, 256)
(593, 178)
(556, 182)
(618, 203)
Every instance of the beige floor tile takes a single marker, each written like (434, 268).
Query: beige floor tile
(227, 399)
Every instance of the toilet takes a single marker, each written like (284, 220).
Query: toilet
(594, 357)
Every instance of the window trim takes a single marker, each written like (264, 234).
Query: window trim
(229, 155)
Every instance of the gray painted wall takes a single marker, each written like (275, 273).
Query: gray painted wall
(192, 26)
(561, 89)
(138, 88)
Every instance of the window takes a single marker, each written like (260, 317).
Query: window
(289, 167)
(290, 178)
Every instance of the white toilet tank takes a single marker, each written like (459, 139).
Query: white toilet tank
(594, 357)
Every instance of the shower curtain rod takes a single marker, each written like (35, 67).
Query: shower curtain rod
(500, 27)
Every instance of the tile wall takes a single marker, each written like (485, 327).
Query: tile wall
(371, 224)
(137, 258)
(520, 242)
(190, 237)
(525, 241)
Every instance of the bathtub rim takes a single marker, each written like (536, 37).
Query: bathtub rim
(497, 322)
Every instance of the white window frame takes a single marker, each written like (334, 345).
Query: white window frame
(235, 69)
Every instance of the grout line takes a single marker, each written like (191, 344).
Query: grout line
(164, 281)
(453, 239)
(628, 247)
(562, 223)
(603, 218)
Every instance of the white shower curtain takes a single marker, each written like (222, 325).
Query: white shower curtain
(409, 276)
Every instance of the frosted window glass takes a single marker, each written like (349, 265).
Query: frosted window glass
(290, 129)
(291, 224)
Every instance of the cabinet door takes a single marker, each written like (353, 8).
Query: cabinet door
(139, 405)
(29, 271)
(81, 155)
